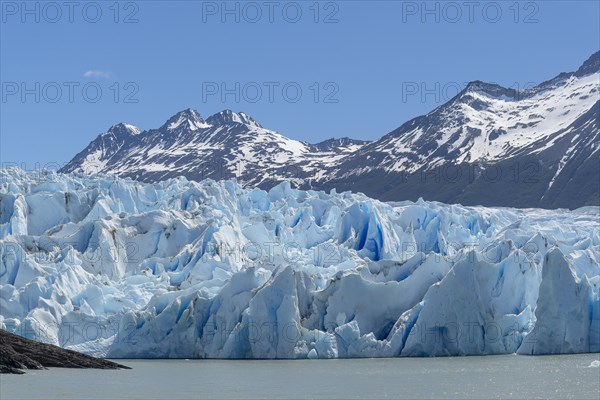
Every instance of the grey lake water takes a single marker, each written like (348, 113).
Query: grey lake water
(506, 376)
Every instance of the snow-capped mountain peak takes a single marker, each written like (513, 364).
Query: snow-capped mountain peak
(478, 89)
(188, 119)
(228, 117)
(334, 144)
(122, 129)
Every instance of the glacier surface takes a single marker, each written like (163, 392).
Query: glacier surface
(180, 269)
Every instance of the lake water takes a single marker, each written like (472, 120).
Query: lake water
(507, 376)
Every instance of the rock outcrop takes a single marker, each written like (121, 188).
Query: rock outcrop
(18, 353)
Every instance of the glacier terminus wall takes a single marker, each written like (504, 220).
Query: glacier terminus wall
(179, 269)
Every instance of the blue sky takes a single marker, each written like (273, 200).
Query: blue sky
(363, 67)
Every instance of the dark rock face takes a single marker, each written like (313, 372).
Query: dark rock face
(18, 353)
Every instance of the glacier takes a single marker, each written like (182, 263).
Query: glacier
(180, 269)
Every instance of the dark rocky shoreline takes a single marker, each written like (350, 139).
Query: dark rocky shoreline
(18, 353)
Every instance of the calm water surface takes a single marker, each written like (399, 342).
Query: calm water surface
(510, 376)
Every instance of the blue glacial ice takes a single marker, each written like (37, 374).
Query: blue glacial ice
(118, 268)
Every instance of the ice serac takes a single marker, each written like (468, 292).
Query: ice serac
(478, 308)
(273, 314)
(567, 313)
(182, 269)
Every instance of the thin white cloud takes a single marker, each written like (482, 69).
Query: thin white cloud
(96, 74)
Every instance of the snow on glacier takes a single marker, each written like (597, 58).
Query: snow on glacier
(118, 268)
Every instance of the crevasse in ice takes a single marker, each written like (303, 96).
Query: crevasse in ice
(118, 268)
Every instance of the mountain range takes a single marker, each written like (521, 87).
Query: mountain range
(489, 145)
